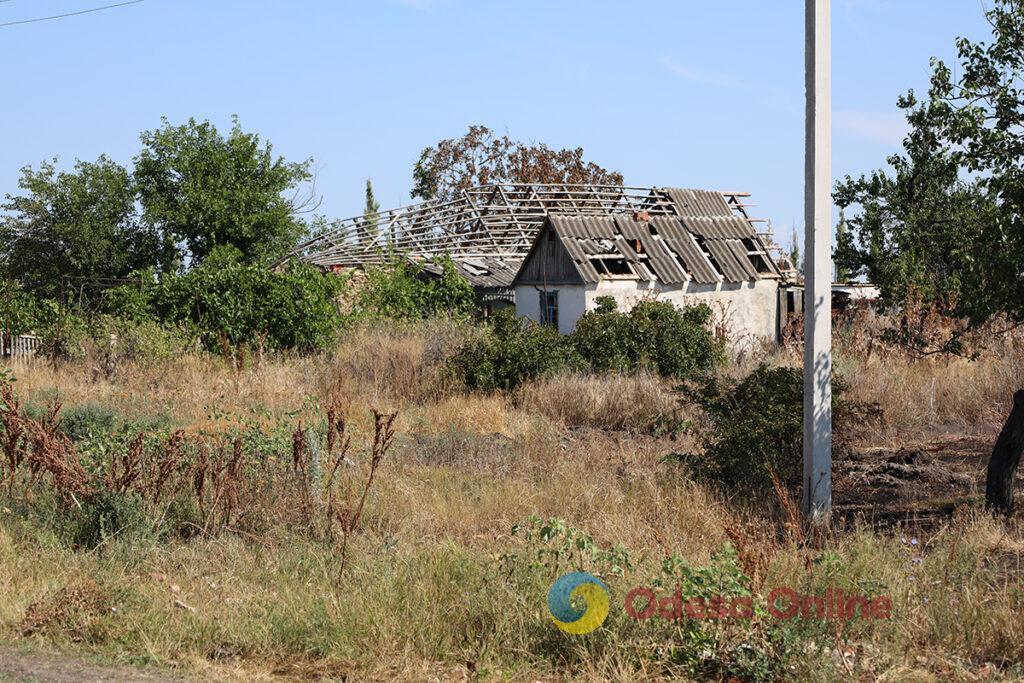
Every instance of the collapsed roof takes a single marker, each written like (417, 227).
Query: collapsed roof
(488, 230)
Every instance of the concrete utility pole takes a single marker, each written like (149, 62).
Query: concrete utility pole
(817, 499)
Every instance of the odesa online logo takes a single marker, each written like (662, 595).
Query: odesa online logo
(580, 586)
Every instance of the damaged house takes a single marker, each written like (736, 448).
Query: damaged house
(552, 250)
(704, 253)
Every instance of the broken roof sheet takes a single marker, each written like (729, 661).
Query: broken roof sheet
(483, 272)
(663, 247)
(719, 227)
(682, 242)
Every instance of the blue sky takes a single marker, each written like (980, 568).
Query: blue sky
(672, 93)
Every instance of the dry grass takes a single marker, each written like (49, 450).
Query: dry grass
(188, 389)
(394, 365)
(425, 593)
(938, 392)
(616, 402)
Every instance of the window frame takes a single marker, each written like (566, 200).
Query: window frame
(549, 307)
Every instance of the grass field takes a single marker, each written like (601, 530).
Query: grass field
(229, 541)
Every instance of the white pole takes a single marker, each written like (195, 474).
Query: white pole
(817, 498)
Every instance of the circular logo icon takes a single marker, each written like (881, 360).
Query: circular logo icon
(579, 586)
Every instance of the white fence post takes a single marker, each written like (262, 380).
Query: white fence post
(22, 347)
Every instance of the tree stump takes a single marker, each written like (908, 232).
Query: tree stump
(1005, 457)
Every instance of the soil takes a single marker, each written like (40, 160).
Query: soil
(921, 481)
(44, 667)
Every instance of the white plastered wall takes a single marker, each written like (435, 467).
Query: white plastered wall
(572, 304)
(747, 310)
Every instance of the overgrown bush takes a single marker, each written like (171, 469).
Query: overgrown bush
(227, 301)
(105, 340)
(401, 290)
(64, 335)
(131, 301)
(106, 515)
(89, 419)
(754, 429)
(20, 312)
(654, 335)
(511, 351)
(138, 340)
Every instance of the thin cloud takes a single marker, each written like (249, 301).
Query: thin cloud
(885, 128)
(776, 97)
(704, 77)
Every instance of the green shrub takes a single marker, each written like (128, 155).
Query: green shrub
(137, 339)
(226, 300)
(131, 301)
(107, 515)
(755, 428)
(107, 339)
(88, 420)
(182, 518)
(654, 336)
(510, 351)
(65, 335)
(402, 290)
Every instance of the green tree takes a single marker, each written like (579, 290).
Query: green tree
(80, 224)
(204, 190)
(944, 226)
(843, 246)
(794, 249)
(479, 158)
(369, 227)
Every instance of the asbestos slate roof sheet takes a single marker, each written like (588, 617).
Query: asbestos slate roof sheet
(584, 226)
(626, 250)
(571, 231)
(698, 202)
(665, 266)
(669, 247)
(481, 271)
(742, 259)
(726, 259)
(681, 241)
(631, 229)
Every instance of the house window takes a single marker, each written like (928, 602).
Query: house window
(549, 308)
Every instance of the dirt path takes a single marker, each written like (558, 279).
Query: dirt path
(40, 667)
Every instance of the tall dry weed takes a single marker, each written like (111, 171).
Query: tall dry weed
(642, 403)
(394, 364)
(922, 391)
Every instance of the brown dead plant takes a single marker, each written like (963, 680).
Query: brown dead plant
(348, 510)
(39, 445)
(125, 467)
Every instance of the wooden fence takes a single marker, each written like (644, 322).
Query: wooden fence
(21, 347)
